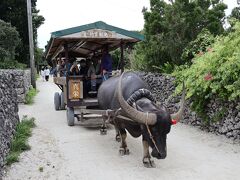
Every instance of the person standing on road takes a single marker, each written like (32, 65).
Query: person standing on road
(42, 74)
(47, 73)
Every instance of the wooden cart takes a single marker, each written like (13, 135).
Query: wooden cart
(83, 42)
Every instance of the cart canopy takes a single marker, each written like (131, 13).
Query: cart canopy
(89, 39)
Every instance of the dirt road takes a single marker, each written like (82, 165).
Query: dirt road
(78, 153)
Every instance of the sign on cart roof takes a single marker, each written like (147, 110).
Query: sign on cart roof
(99, 25)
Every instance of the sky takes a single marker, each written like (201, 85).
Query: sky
(62, 14)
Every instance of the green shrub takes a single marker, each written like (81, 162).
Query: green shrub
(166, 68)
(215, 73)
(29, 99)
(11, 64)
(12, 158)
(136, 58)
(19, 141)
(198, 46)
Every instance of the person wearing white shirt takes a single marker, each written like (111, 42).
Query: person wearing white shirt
(42, 74)
(47, 73)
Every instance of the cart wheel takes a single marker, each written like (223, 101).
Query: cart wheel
(70, 116)
(62, 104)
(57, 101)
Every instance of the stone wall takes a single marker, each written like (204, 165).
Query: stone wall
(8, 113)
(21, 82)
(224, 116)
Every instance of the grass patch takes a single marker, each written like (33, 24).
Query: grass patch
(19, 141)
(12, 158)
(40, 169)
(37, 76)
(29, 99)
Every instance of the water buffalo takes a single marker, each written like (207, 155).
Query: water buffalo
(130, 93)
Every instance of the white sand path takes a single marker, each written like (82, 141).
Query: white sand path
(79, 153)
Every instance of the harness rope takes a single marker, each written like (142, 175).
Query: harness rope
(150, 134)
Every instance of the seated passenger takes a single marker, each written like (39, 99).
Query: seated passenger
(83, 67)
(69, 64)
(58, 67)
(98, 67)
(74, 69)
(91, 74)
(61, 68)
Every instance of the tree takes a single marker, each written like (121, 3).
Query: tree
(9, 40)
(15, 12)
(169, 27)
(38, 55)
(235, 13)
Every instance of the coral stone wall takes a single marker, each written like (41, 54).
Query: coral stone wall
(21, 82)
(224, 116)
(8, 113)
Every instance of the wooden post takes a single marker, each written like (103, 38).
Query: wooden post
(66, 51)
(66, 57)
(31, 45)
(122, 58)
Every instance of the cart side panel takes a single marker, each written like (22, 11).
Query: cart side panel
(74, 91)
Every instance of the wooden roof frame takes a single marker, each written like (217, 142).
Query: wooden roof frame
(94, 35)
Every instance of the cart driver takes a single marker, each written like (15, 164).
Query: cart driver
(92, 76)
(106, 64)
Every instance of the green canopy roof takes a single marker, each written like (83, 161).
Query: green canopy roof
(88, 39)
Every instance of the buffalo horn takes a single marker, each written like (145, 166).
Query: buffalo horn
(177, 116)
(138, 116)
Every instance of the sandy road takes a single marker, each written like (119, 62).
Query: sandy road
(75, 153)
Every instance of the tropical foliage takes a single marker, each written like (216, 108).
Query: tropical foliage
(198, 46)
(214, 73)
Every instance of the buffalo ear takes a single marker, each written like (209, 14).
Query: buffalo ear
(139, 108)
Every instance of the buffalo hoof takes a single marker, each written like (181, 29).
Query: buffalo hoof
(123, 151)
(118, 139)
(103, 131)
(148, 163)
